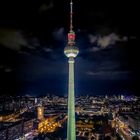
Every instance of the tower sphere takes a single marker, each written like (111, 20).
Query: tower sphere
(71, 51)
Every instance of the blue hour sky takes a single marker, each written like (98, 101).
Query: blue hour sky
(33, 36)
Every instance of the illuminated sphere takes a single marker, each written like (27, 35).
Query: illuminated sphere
(71, 51)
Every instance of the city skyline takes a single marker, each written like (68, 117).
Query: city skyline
(31, 48)
(106, 117)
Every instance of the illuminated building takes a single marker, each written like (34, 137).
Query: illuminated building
(47, 126)
(134, 122)
(71, 52)
(28, 126)
(122, 97)
(35, 100)
(3, 134)
(113, 123)
(14, 131)
(40, 112)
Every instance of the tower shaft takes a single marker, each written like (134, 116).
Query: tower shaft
(71, 51)
(71, 131)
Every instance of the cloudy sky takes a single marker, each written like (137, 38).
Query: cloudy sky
(33, 36)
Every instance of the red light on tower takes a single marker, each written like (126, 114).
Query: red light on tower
(71, 36)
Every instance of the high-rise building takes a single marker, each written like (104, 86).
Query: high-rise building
(134, 122)
(14, 131)
(40, 112)
(28, 126)
(71, 52)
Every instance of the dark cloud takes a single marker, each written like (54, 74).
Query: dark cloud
(102, 42)
(58, 34)
(24, 43)
(45, 7)
(109, 75)
(47, 49)
(12, 39)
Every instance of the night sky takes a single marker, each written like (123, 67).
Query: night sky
(33, 36)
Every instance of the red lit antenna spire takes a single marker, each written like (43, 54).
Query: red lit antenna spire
(71, 34)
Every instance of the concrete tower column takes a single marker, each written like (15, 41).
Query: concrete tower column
(71, 131)
(71, 51)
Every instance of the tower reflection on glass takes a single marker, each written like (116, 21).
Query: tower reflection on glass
(71, 52)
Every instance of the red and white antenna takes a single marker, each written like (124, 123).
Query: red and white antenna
(71, 34)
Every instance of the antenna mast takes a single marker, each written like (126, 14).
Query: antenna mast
(71, 16)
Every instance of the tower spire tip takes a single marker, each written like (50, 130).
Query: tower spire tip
(71, 15)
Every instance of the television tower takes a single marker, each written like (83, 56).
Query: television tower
(71, 52)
